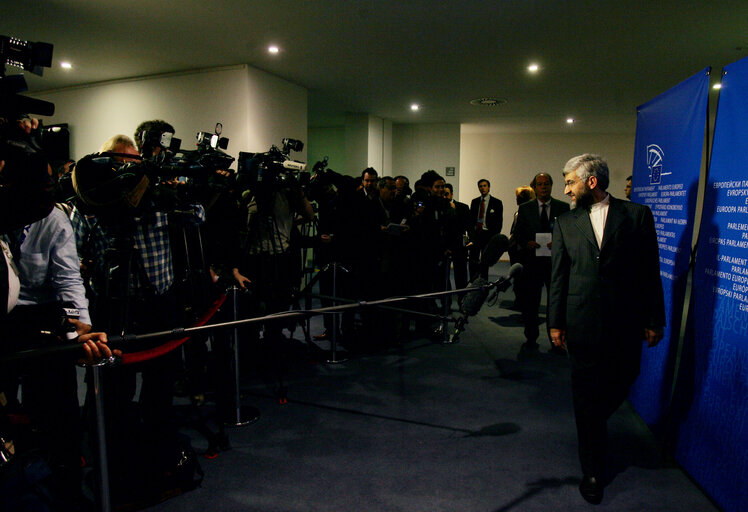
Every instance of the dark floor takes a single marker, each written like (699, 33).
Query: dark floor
(473, 426)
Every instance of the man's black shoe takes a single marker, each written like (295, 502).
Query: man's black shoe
(591, 490)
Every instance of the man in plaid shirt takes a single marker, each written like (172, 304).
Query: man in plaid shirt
(129, 261)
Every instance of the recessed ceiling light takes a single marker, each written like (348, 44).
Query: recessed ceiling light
(717, 86)
(66, 65)
(533, 68)
(273, 49)
(569, 120)
(414, 107)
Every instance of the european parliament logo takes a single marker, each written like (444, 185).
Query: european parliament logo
(655, 155)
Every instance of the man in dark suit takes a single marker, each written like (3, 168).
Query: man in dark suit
(459, 225)
(486, 215)
(535, 221)
(605, 299)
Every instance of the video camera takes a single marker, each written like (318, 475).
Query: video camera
(168, 175)
(29, 56)
(26, 187)
(190, 166)
(265, 172)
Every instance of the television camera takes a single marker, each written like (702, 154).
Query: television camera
(262, 173)
(24, 182)
(166, 175)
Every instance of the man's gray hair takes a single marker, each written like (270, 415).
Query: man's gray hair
(116, 140)
(588, 165)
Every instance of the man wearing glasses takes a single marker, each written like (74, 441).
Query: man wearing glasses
(605, 299)
(535, 220)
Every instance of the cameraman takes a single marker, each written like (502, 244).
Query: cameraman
(45, 273)
(268, 256)
(131, 279)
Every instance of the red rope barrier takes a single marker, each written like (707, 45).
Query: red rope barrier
(152, 353)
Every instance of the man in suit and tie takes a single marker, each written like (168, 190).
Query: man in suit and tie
(532, 233)
(486, 216)
(605, 299)
(458, 225)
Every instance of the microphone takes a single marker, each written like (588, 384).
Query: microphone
(503, 283)
(474, 299)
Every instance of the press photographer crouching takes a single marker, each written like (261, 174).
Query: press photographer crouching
(121, 218)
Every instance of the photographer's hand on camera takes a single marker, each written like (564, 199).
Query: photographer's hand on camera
(27, 124)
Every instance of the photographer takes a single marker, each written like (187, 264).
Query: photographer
(46, 263)
(362, 238)
(50, 278)
(429, 226)
(268, 257)
(126, 236)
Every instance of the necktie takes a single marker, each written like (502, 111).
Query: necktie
(545, 224)
(482, 213)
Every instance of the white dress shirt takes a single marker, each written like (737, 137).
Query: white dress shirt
(598, 215)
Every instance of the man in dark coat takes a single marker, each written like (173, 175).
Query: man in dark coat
(535, 221)
(459, 225)
(605, 299)
(486, 213)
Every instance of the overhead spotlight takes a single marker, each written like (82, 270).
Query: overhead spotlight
(273, 49)
(569, 120)
(533, 68)
(717, 86)
(66, 65)
(414, 107)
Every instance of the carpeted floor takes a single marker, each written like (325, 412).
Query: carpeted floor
(421, 426)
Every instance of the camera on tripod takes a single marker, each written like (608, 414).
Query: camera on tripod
(166, 175)
(265, 172)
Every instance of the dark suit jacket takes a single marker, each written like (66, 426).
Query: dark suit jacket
(528, 224)
(458, 225)
(494, 215)
(604, 298)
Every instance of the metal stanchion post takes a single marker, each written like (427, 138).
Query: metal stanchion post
(335, 318)
(244, 414)
(447, 303)
(102, 477)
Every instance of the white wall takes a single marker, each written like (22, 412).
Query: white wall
(509, 160)
(375, 144)
(255, 108)
(387, 148)
(276, 109)
(330, 142)
(417, 148)
(356, 143)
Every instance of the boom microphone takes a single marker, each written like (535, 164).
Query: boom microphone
(502, 284)
(474, 299)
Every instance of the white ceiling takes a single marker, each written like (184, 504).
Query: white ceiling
(599, 59)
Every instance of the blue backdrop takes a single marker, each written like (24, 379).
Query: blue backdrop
(667, 163)
(712, 392)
